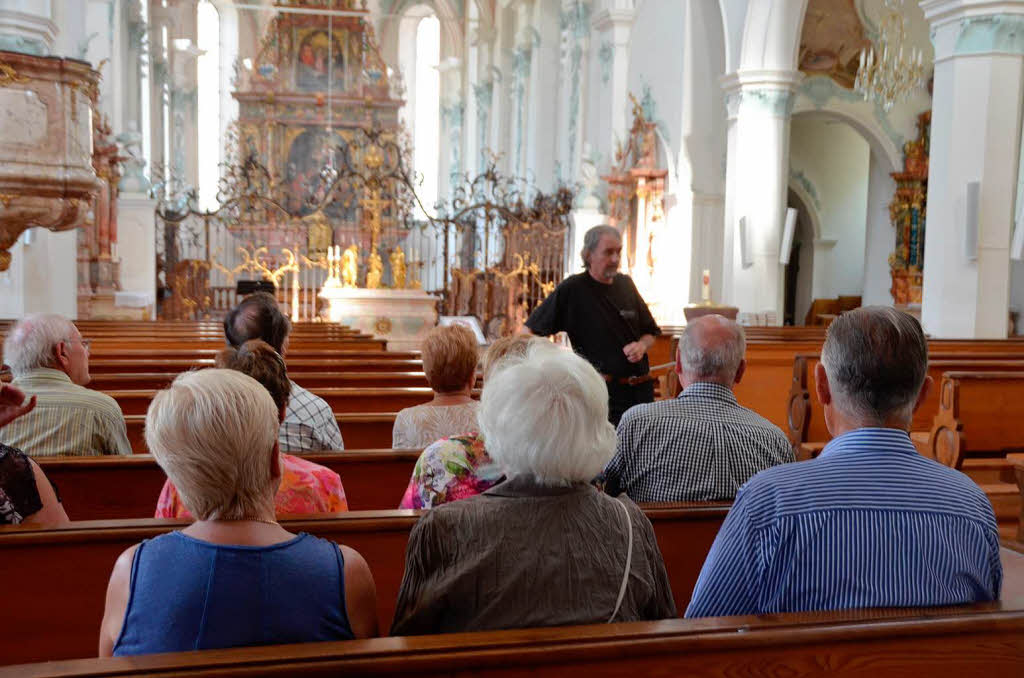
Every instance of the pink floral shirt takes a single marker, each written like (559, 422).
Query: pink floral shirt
(450, 469)
(305, 488)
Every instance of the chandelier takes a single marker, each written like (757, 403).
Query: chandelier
(888, 73)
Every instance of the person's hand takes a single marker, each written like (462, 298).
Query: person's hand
(13, 404)
(635, 351)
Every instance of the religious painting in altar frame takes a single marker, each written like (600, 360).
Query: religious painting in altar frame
(321, 61)
(309, 152)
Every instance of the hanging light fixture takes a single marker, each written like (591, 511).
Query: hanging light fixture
(888, 72)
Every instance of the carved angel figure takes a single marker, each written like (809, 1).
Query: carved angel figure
(350, 266)
(398, 267)
(374, 268)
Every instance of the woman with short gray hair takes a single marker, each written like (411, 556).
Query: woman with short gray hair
(543, 548)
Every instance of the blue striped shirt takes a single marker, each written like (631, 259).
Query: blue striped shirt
(869, 523)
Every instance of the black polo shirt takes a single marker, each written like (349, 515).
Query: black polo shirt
(600, 319)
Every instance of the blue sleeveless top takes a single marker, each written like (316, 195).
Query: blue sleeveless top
(187, 594)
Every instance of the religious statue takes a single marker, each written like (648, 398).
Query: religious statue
(374, 268)
(319, 233)
(398, 268)
(350, 266)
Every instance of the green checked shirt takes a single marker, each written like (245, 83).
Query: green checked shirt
(67, 420)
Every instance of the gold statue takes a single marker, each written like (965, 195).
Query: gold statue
(350, 266)
(374, 268)
(319, 234)
(398, 268)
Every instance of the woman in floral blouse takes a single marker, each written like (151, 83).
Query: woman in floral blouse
(457, 467)
(305, 487)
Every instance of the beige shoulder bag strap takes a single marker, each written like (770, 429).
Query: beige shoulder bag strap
(629, 559)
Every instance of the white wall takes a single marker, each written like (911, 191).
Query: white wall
(43, 277)
(840, 180)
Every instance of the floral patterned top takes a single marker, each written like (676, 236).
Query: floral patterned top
(305, 488)
(450, 469)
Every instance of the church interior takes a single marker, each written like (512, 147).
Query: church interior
(385, 170)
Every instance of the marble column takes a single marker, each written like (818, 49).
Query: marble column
(614, 25)
(759, 105)
(976, 127)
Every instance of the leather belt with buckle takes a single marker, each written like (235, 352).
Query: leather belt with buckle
(629, 381)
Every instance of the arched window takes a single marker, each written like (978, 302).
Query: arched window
(209, 114)
(419, 54)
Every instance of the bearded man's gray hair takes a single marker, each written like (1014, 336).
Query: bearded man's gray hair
(592, 237)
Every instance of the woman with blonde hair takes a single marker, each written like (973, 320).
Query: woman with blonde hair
(449, 361)
(235, 577)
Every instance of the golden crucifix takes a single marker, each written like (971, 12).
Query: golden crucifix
(373, 205)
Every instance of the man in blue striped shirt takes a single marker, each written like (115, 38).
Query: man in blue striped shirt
(870, 522)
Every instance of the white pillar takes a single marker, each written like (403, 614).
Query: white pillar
(137, 238)
(880, 240)
(616, 24)
(976, 127)
(759, 105)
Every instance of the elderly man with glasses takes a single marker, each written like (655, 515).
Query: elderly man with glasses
(49, 360)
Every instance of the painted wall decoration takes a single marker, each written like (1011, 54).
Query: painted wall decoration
(831, 40)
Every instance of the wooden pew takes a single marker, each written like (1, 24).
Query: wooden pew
(361, 430)
(979, 415)
(296, 366)
(61, 574)
(340, 400)
(106, 488)
(311, 380)
(806, 419)
(769, 374)
(951, 642)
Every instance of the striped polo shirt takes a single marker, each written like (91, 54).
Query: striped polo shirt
(869, 523)
(68, 419)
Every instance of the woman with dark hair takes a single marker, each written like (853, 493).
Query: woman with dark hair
(305, 487)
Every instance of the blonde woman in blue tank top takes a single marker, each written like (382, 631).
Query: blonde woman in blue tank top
(235, 577)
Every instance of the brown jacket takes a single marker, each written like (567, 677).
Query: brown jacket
(525, 555)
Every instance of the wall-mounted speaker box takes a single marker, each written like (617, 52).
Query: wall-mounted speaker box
(1017, 244)
(788, 231)
(746, 249)
(972, 205)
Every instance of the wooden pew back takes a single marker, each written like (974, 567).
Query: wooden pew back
(806, 419)
(939, 643)
(345, 399)
(111, 488)
(61, 574)
(361, 430)
(979, 413)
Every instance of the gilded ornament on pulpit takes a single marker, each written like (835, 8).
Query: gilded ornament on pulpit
(398, 268)
(374, 270)
(350, 266)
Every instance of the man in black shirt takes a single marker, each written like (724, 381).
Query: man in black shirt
(606, 319)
